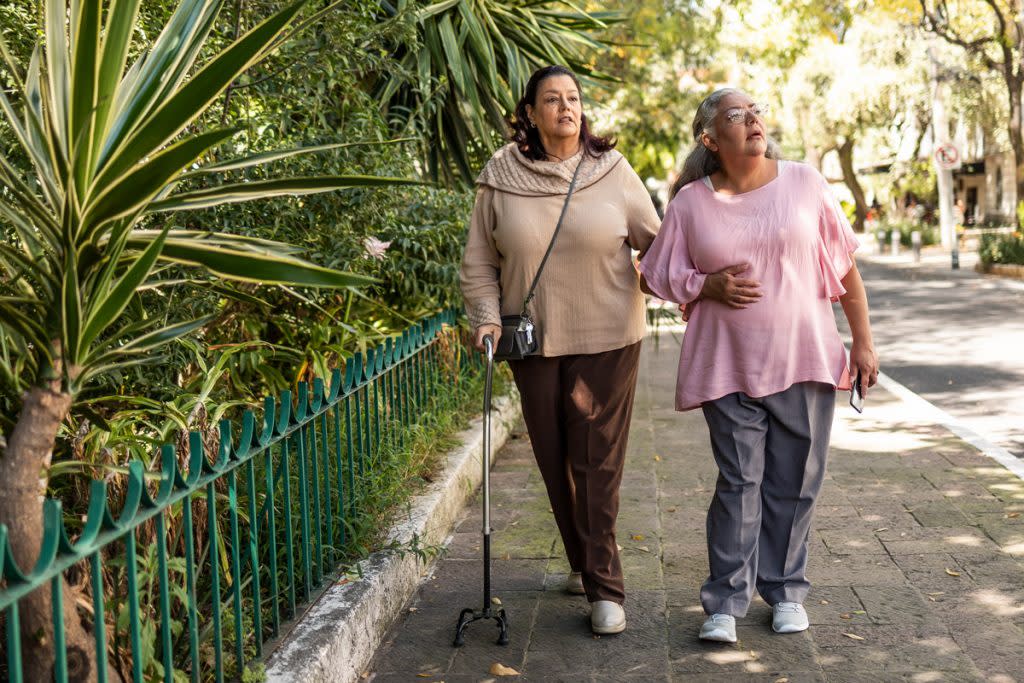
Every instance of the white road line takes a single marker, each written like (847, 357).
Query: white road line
(941, 417)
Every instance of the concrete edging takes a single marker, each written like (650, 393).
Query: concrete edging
(339, 634)
(1001, 269)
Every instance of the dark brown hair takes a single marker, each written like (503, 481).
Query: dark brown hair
(527, 138)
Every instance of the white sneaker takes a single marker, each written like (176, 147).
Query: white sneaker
(789, 617)
(574, 584)
(607, 617)
(719, 627)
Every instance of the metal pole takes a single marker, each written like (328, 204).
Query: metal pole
(940, 134)
(489, 347)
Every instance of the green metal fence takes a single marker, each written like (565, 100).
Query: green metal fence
(209, 589)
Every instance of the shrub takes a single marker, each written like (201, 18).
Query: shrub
(1002, 248)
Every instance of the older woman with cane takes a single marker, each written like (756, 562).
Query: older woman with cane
(757, 248)
(556, 178)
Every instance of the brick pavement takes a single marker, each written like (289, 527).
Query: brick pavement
(917, 565)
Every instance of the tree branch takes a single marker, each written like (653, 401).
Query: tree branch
(943, 30)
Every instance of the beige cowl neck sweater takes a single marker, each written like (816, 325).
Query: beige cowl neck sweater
(588, 299)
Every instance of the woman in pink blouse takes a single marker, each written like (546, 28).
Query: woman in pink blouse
(758, 249)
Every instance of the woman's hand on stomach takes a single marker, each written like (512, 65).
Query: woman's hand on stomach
(727, 287)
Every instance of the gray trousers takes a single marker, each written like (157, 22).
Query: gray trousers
(771, 455)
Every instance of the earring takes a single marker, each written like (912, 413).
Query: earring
(532, 124)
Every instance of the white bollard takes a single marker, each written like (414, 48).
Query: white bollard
(915, 243)
(880, 239)
(895, 239)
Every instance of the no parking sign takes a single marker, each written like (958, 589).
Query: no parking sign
(947, 157)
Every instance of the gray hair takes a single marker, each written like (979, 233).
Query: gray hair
(701, 161)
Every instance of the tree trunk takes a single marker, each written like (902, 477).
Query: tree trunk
(845, 151)
(1013, 87)
(23, 481)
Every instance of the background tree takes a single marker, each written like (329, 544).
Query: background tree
(991, 33)
(856, 94)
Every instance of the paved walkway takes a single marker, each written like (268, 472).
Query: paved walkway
(917, 561)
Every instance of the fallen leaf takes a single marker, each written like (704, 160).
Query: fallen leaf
(644, 549)
(638, 537)
(508, 556)
(845, 615)
(938, 593)
(853, 636)
(498, 669)
(618, 546)
(671, 509)
(858, 611)
(1012, 515)
(753, 655)
(424, 675)
(413, 609)
(496, 600)
(551, 511)
(823, 602)
(951, 572)
(781, 680)
(657, 458)
(931, 599)
(514, 523)
(881, 529)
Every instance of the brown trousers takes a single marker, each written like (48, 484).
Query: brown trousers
(577, 410)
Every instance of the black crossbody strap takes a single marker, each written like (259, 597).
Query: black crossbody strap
(551, 245)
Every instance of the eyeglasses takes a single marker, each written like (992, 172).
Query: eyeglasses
(738, 115)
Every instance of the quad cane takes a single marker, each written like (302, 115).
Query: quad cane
(469, 615)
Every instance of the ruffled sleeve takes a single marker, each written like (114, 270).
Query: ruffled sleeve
(667, 266)
(837, 243)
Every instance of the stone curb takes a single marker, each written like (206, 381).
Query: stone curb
(1001, 269)
(339, 634)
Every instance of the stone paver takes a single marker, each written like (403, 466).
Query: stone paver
(917, 561)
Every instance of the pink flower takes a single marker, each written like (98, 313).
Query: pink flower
(375, 248)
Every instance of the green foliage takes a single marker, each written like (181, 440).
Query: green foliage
(664, 68)
(916, 178)
(458, 82)
(1002, 248)
(107, 149)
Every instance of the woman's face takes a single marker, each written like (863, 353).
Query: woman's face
(738, 129)
(557, 110)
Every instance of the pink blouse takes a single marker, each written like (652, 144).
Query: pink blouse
(798, 243)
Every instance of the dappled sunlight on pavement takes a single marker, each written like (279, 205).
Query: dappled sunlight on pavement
(916, 561)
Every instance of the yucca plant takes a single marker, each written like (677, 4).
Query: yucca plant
(472, 63)
(86, 219)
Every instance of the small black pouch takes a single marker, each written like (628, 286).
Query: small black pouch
(518, 338)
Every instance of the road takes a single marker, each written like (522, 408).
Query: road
(956, 338)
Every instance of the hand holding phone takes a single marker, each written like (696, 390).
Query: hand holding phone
(856, 397)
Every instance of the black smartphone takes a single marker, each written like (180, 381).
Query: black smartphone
(856, 397)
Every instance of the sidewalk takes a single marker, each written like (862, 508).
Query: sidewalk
(917, 561)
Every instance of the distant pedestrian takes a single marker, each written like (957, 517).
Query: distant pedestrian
(758, 248)
(577, 391)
